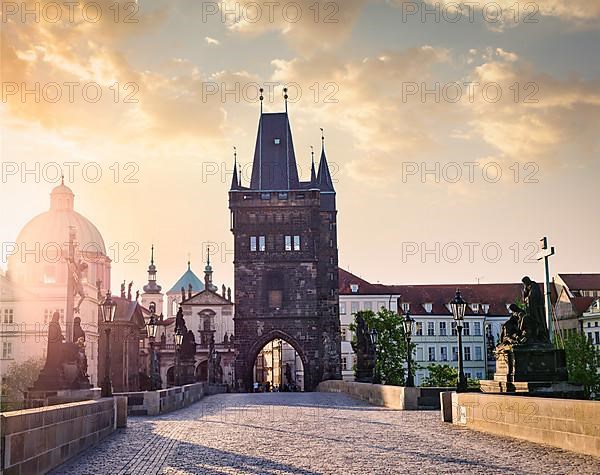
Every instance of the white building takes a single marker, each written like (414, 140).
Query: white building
(435, 331)
(590, 323)
(35, 285)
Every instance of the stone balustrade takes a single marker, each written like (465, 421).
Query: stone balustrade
(153, 403)
(565, 423)
(37, 440)
(393, 397)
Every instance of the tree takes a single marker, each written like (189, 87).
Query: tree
(583, 364)
(17, 380)
(391, 345)
(440, 376)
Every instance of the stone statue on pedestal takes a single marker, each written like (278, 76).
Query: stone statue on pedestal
(526, 360)
(365, 351)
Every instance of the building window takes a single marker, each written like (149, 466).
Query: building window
(478, 353)
(6, 350)
(48, 312)
(455, 353)
(288, 243)
(443, 353)
(282, 196)
(466, 329)
(419, 354)
(405, 306)
(344, 333)
(380, 305)
(393, 305)
(367, 306)
(354, 307)
(431, 355)
(9, 315)
(590, 339)
(454, 332)
(428, 307)
(343, 308)
(485, 307)
(262, 243)
(296, 243)
(419, 328)
(354, 288)
(467, 353)
(468, 374)
(479, 375)
(265, 196)
(477, 328)
(430, 328)
(275, 290)
(442, 328)
(253, 243)
(597, 338)
(344, 363)
(475, 307)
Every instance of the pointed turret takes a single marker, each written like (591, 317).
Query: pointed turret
(324, 181)
(234, 179)
(313, 173)
(208, 273)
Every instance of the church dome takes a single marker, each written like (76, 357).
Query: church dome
(41, 238)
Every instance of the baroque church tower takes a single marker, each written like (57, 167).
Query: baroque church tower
(286, 257)
(152, 291)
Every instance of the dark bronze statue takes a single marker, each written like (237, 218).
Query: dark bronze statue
(365, 351)
(534, 301)
(77, 269)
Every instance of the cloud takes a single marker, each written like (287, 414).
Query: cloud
(212, 41)
(306, 25)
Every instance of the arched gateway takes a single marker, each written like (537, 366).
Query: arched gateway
(286, 274)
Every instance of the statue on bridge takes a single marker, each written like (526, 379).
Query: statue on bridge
(365, 351)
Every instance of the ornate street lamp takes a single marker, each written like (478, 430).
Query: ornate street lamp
(408, 329)
(152, 329)
(108, 309)
(459, 307)
(373, 336)
(178, 343)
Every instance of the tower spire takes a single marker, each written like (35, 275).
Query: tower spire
(313, 173)
(208, 285)
(285, 98)
(234, 179)
(152, 287)
(324, 181)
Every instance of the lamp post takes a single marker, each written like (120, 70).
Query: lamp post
(373, 337)
(459, 307)
(107, 309)
(152, 329)
(178, 343)
(408, 329)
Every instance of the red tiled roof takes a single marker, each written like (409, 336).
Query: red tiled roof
(497, 296)
(581, 281)
(581, 304)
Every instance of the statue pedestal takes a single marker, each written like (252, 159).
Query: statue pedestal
(187, 373)
(535, 370)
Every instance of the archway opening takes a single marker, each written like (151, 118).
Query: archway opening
(278, 367)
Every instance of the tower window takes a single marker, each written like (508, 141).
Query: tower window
(296, 243)
(265, 196)
(262, 244)
(288, 243)
(253, 243)
(282, 196)
(274, 286)
(277, 141)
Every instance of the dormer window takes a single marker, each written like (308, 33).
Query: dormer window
(428, 307)
(405, 307)
(354, 288)
(475, 307)
(485, 307)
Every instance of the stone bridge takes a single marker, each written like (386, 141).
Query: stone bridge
(311, 433)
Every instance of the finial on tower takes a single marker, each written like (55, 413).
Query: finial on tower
(152, 255)
(62, 180)
(208, 255)
(189, 259)
(262, 98)
(322, 136)
(285, 97)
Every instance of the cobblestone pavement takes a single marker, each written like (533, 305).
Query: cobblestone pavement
(311, 433)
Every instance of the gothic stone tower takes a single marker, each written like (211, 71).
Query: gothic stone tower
(286, 274)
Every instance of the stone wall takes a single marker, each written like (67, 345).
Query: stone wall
(565, 423)
(152, 403)
(37, 440)
(393, 397)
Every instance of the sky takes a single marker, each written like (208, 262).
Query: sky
(457, 138)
